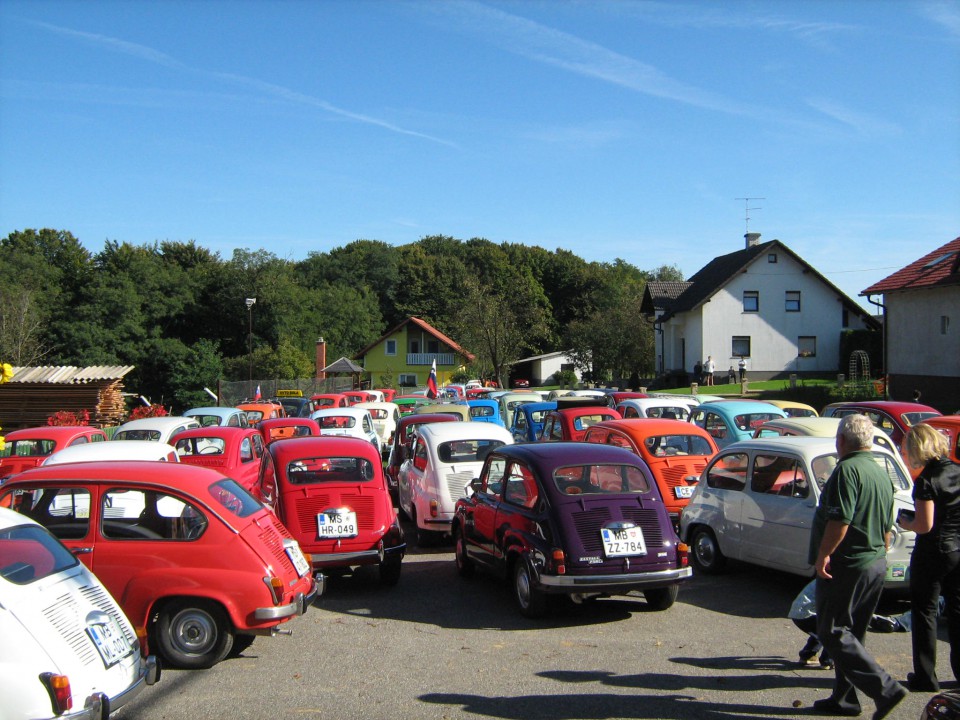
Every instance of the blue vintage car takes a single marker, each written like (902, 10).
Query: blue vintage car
(528, 420)
(729, 421)
(484, 411)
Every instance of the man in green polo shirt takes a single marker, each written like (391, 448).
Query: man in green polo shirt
(848, 550)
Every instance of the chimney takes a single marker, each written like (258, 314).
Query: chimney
(321, 359)
(753, 239)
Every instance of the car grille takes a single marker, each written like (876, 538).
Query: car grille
(589, 522)
(308, 508)
(272, 537)
(457, 483)
(98, 597)
(66, 617)
(675, 474)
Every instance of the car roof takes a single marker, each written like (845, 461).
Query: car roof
(112, 451)
(220, 431)
(535, 406)
(942, 420)
(352, 411)
(49, 432)
(648, 427)
(891, 406)
(268, 423)
(463, 430)
(324, 446)
(811, 425)
(191, 479)
(155, 423)
(218, 410)
(578, 410)
(791, 404)
(654, 402)
(378, 405)
(557, 454)
(739, 407)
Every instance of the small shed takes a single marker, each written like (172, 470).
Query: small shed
(345, 366)
(36, 393)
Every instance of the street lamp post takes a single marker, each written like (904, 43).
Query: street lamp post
(250, 303)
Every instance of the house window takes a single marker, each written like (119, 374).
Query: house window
(408, 380)
(414, 346)
(433, 346)
(807, 346)
(751, 301)
(944, 324)
(741, 346)
(845, 319)
(772, 258)
(793, 301)
(391, 347)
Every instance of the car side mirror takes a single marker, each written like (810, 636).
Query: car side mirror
(476, 484)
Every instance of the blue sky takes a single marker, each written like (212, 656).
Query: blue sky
(611, 129)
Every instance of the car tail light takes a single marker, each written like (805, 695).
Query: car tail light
(434, 508)
(59, 688)
(559, 561)
(275, 585)
(683, 554)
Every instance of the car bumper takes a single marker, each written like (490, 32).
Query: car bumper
(357, 557)
(611, 583)
(298, 606)
(99, 707)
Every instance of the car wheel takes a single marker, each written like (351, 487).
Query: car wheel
(241, 643)
(532, 602)
(390, 570)
(194, 633)
(465, 566)
(661, 598)
(707, 556)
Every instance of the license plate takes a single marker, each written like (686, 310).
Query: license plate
(110, 641)
(337, 524)
(896, 573)
(684, 491)
(623, 541)
(300, 563)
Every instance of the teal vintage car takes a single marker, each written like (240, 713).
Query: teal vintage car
(729, 421)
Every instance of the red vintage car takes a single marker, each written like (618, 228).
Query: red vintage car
(288, 427)
(949, 425)
(332, 495)
(197, 564)
(359, 396)
(327, 400)
(235, 452)
(388, 394)
(27, 448)
(894, 418)
(675, 451)
(571, 423)
(400, 447)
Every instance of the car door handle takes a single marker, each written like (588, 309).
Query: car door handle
(82, 550)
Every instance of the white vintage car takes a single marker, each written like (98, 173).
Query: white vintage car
(665, 408)
(347, 422)
(154, 429)
(385, 416)
(68, 651)
(756, 499)
(445, 458)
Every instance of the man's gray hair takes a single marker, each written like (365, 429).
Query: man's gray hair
(857, 429)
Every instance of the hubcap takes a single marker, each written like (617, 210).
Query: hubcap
(193, 631)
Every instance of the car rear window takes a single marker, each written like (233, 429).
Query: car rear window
(29, 553)
(151, 435)
(669, 445)
(481, 411)
(461, 451)
(231, 495)
(912, 418)
(585, 421)
(600, 479)
(337, 421)
(200, 446)
(751, 421)
(317, 470)
(28, 448)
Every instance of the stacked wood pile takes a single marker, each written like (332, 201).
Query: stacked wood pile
(36, 393)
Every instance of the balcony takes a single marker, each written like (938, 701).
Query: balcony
(428, 358)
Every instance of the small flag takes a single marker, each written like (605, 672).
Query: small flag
(432, 382)
(257, 395)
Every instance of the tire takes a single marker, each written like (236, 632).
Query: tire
(465, 566)
(425, 538)
(390, 570)
(707, 556)
(194, 633)
(532, 602)
(241, 643)
(661, 598)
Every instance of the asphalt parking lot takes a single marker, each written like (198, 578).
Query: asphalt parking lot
(439, 647)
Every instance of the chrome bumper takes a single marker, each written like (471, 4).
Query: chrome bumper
(298, 607)
(611, 583)
(99, 707)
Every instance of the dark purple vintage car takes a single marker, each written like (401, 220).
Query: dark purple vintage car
(576, 519)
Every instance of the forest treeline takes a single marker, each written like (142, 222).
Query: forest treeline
(177, 312)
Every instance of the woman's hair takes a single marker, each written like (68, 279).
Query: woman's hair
(923, 444)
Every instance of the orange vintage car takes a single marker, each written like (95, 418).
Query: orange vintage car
(676, 451)
(261, 410)
(288, 427)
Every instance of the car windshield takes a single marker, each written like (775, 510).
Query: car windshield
(585, 421)
(667, 412)
(378, 413)
(28, 448)
(800, 412)
(151, 435)
(337, 421)
(231, 495)
(600, 479)
(912, 418)
(200, 446)
(315, 470)
(29, 553)
(823, 466)
(254, 416)
(462, 451)
(666, 445)
(207, 420)
(751, 421)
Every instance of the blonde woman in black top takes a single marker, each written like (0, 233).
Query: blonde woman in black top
(935, 564)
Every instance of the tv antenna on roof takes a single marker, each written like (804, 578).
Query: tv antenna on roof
(747, 209)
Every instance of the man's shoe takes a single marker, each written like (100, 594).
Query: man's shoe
(915, 685)
(884, 709)
(829, 706)
(826, 664)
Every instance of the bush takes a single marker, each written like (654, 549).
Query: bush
(69, 417)
(147, 411)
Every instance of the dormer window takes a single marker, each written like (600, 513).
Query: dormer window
(751, 301)
(772, 258)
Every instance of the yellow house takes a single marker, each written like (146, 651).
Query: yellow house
(406, 353)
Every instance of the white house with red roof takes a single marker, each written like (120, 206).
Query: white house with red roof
(921, 310)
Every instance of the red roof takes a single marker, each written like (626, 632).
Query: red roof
(427, 327)
(936, 269)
